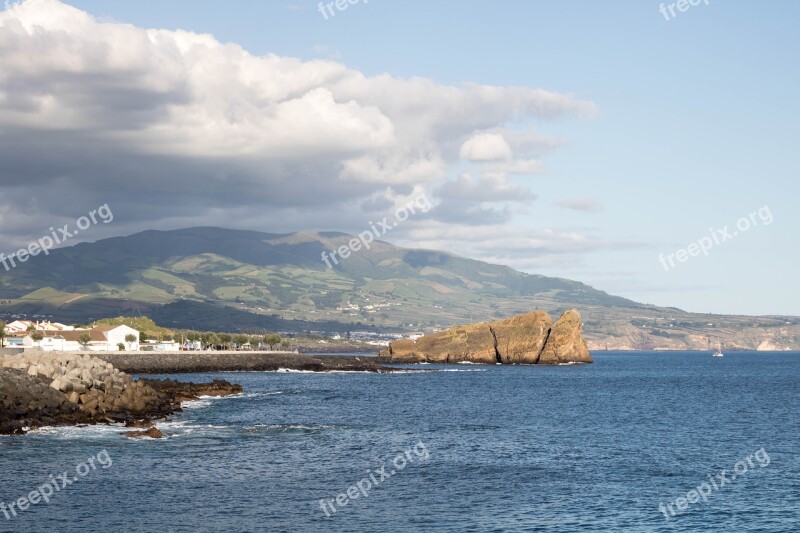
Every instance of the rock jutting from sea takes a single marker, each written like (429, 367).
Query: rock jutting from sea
(48, 389)
(529, 339)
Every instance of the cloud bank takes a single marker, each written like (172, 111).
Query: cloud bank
(174, 128)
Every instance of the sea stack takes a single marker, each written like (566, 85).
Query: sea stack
(530, 339)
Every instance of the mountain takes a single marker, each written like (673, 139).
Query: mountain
(215, 278)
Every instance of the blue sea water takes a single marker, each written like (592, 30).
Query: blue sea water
(489, 448)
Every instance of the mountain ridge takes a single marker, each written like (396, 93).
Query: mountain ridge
(244, 279)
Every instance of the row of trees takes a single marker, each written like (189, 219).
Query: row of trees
(228, 341)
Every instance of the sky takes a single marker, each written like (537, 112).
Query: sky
(649, 155)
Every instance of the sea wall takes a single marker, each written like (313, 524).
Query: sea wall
(187, 362)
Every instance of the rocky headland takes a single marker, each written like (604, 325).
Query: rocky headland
(47, 389)
(531, 339)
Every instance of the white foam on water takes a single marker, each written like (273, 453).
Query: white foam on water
(349, 372)
(249, 395)
(185, 428)
(205, 401)
(287, 427)
(196, 404)
(83, 432)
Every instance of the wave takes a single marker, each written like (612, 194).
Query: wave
(90, 432)
(272, 429)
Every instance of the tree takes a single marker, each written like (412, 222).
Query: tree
(2, 332)
(272, 339)
(241, 340)
(193, 336)
(130, 338)
(226, 339)
(30, 328)
(120, 347)
(210, 339)
(37, 336)
(213, 340)
(143, 336)
(255, 342)
(84, 340)
(285, 344)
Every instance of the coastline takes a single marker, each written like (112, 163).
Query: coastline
(60, 389)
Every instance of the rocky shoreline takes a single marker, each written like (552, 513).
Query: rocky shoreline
(45, 389)
(50, 388)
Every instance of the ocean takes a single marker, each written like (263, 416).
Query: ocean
(634, 442)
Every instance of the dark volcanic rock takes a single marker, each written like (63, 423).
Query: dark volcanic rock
(153, 433)
(181, 391)
(28, 401)
(139, 423)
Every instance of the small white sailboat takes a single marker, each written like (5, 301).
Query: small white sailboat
(718, 351)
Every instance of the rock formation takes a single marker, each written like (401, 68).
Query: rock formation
(152, 433)
(531, 339)
(24, 398)
(42, 389)
(565, 343)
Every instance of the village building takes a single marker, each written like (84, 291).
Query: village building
(100, 338)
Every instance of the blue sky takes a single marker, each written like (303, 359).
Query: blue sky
(696, 124)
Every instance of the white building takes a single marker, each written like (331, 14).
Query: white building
(21, 326)
(193, 345)
(18, 326)
(101, 339)
(163, 346)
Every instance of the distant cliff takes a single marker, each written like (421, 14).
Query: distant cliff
(531, 339)
(659, 331)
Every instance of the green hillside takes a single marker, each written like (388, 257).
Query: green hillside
(222, 279)
(283, 277)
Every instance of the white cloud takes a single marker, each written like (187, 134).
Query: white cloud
(520, 166)
(485, 147)
(488, 188)
(509, 244)
(95, 112)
